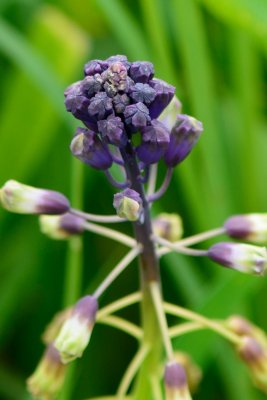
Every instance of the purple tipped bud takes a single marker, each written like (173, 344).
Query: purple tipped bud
(241, 257)
(76, 331)
(136, 116)
(23, 199)
(250, 227)
(175, 382)
(164, 94)
(91, 85)
(192, 370)
(141, 71)
(184, 136)
(129, 205)
(120, 101)
(61, 227)
(100, 106)
(48, 378)
(155, 141)
(95, 67)
(88, 148)
(113, 129)
(243, 327)
(142, 92)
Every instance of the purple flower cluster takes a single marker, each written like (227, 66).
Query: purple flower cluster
(115, 100)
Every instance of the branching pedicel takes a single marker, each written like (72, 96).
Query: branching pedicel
(118, 102)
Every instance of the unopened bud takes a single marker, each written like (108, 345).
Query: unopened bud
(241, 257)
(192, 370)
(168, 226)
(23, 199)
(61, 226)
(48, 378)
(75, 333)
(255, 357)
(250, 227)
(128, 204)
(243, 327)
(184, 136)
(53, 328)
(175, 382)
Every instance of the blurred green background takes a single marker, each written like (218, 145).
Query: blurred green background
(215, 53)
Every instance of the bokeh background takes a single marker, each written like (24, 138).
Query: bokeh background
(215, 54)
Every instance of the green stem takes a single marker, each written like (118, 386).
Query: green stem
(123, 325)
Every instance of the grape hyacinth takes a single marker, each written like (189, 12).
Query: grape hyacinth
(132, 121)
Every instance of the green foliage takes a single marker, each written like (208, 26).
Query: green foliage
(214, 52)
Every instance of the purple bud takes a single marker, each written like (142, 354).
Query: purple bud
(136, 116)
(100, 106)
(120, 101)
(91, 85)
(164, 94)
(250, 227)
(86, 308)
(141, 71)
(155, 140)
(174, 375)
(241, 257)
(71, 223)
(184, 136)
(119, 58)
(77, 103)
(113, 129)
(74, 89)
(95, 67)
(88, 148)
(142, 92)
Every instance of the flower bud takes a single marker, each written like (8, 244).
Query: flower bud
(155, 140)
(23, 199)
(61, 226)
(192, 370)
(76, 331)
(169, 116)
(168, 226)
(112, 128)
(141, 71)
(243, 327)
(184, 136)
(128, 204)
(48, 378)
(241, 257)
(175, 382)
(250, 227)
(88, 148)
(142, 92)
(164, 95)
(255, 357)
(136, 116)
(53, 328)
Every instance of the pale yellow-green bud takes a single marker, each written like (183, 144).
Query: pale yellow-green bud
(61, 227)
(75, 332)
(169, 116)
(168, 226)
(128, 204)
(175, 382)
(48, 378)
(192, 370)
(53, 328)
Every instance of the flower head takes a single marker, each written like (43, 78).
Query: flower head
(24, 199)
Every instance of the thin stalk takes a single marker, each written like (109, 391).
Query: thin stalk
(200, 237)
(105, 219)
(159, 193)
(110, 233)
(120, 267)
(131, 371)
(192, 316)
(186, 327)
(156, 388)
(158, 304)
(122, 325)
(119, 304)
(179, 248)
(152, 180)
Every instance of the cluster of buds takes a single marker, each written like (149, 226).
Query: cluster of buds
(117, 99)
